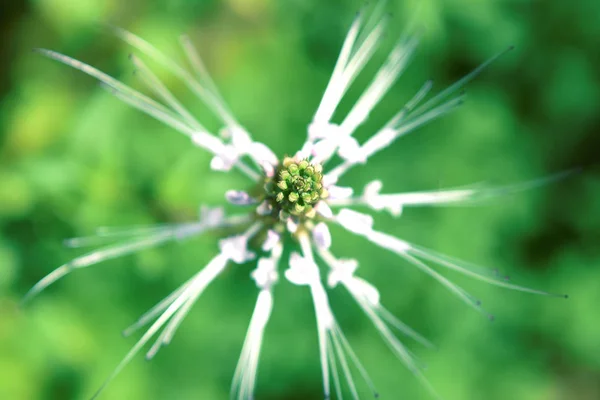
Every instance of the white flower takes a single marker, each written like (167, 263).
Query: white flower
(292, 198)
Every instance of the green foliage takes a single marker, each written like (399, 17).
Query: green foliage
(73, 158)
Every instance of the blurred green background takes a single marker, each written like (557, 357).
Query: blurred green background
(73, 158)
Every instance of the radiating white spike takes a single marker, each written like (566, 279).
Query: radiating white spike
(361, 369)
(457, 290)
(342, 357)
(460, 83)
(212, 269)
(355, 65)
(385, 137)
(161, 90)
(166, 117)
(411, 104)
(397, 127)
(320, 115)
(246, 370)
(392, 320)
(383, 81)
(157, 309)
(113, 251)
(399, 349)
(106, 234)
(334, 370)
(198, 66)
(467, 269)
(94, 258)
(206, 96)
(102, 77)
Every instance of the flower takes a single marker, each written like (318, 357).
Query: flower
(295, 197)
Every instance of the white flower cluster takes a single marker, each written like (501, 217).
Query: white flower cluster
(234, 148)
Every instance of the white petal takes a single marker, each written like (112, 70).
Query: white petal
(212, 216)
(372, 189)
(324, 149)
(339, 192)
(240, 138)
(239, 198)
(324, 210)
(261, 153)
(322, 236)
(291, 225)
(302, 271)
(355, 222)
(350, 150)
(265, 274)
(268, 168)
(389, 242)
(318, 130)
(342, 271)
(264, 208)
(272, 239)
(368, 291)
(236, 248)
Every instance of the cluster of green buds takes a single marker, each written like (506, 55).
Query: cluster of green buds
(296, 187)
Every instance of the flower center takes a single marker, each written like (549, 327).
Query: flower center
(296, 187)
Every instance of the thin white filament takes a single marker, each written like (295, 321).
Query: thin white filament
(161, 90)
(202, 278)
(209, 99)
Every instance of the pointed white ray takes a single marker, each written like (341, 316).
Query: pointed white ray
(342, 271)
(361, 224)
(399, 349)
(386, 136)
(156, 310)
(239, 198)
(126, 93)
(321, 114)
(357, 50)
(205, 95)
(111, 234)
(460, 83)
(394, 203)
(480, 273)
(367, 297)
(256, 150)
(102, 77)
(382, 82)
(199, 67)
(400, 124)
(155, 84)
(224, 154)
(198, 282)
(179, 232)
(265, 276)
(466, 195)
(236, 247)
(165, 116)
(149, 106)
(333, 346)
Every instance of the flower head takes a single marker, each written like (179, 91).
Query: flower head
(295, 198)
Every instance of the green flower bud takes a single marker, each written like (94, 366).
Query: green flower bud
(282, 185)
(288, 161)
(296, 188)
(285, 175)
(303, 164)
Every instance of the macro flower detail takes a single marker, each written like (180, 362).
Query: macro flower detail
(295, 188)
(293, 201)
